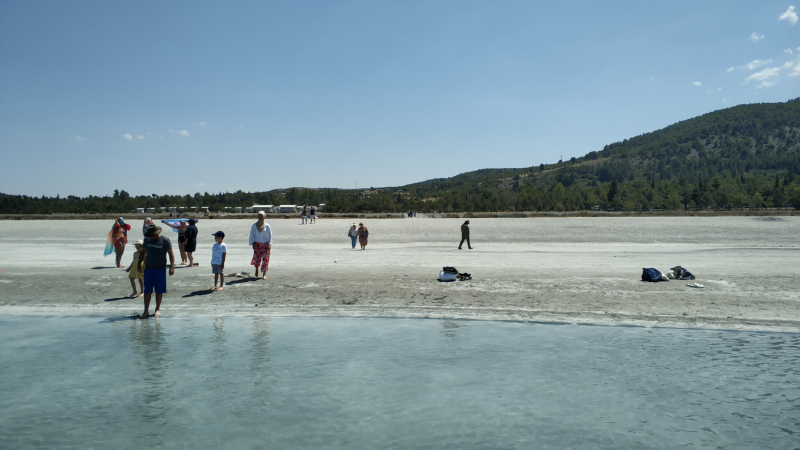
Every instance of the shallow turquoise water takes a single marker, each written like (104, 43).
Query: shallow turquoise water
(356, 383)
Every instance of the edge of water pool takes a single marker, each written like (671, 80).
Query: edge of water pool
(426, 312)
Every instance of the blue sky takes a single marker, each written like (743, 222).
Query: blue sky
(185, 97)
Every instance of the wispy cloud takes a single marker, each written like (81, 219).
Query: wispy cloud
(789, 15)
(78, 138)
(795, 71)
(697, 83)
(127, 136)
(788, 50)
(766, 77)
(788, 64)
(730, 69)
(183, 133)
(755, 37)
(141, 136)
(756, 63)
(203, 124)
(241, 126)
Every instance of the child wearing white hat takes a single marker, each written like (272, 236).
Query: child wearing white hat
(136, 271)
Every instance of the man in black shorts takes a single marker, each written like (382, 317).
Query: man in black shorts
(154, 254)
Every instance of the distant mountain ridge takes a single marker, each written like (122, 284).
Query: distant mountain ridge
(743, 156)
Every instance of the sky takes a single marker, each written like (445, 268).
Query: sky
(176, 97)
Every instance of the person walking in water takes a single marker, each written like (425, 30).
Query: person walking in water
(465, 235)
(261, 240)
(154, 256)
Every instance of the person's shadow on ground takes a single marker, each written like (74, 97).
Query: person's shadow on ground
(241, 280)
(116, 299)
(119, 319)
(196, 293)
(98, 268)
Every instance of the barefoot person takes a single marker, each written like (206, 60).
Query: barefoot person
(180, 226)
(353, 234)
(218, 253)
(117, 238)
(154, 255)
(465, 235)
(191, 241)
(363, 235)
(261, 240)
(136, 271)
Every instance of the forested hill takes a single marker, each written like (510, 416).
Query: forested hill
(727, 158)
(744, 156)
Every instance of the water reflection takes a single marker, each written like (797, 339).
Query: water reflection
(260, 363)
(153, 396)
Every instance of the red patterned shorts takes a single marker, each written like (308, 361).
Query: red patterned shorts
(261, 255)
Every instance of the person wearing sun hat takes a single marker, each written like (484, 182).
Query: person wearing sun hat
(154, 255)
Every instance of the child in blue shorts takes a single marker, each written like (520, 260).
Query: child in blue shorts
(218, 253)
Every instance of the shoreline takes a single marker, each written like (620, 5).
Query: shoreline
(423, 312)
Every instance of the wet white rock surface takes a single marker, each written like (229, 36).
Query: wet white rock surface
(577, 270)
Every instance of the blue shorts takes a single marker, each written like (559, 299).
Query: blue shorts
(155, 279)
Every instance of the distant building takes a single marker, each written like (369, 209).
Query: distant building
(140, 210)
(265, 208)
(287, 208)
(238, 209)
(321, 207)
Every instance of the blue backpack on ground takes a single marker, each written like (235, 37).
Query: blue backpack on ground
(650, 274)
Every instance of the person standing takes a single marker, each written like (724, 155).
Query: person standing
(353, 233)
(136, 271)
(116, 240)
(261, 240)
(363, 235)
(312, 214)
(218, 254)
(191, 240)
(465, 235)
(180, 226)
(154, 254)
(304, 215)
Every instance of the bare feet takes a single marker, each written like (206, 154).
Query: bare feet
(145, 315)
(140, 295)
(158, 313)
(214, 288)
(120, 266)
(220, 288)
(264, 277)
(133, 295)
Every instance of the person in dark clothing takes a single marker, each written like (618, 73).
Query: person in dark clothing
(191, 240)
(465, 235)
(154, 253)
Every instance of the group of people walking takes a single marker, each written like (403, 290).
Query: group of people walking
(361, 233)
